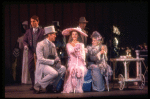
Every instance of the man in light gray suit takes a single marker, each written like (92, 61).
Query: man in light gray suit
(48, 66)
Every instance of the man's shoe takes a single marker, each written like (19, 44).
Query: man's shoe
(32, 88)
(37, 87)
(54, 90)
(49, 89)
(36, 90)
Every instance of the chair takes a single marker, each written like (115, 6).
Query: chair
(87, 85)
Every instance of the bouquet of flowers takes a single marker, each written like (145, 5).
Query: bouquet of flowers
(77, 49)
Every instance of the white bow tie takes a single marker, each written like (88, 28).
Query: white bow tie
(35, 29)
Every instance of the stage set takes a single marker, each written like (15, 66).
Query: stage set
(22, 91)
(122, 25)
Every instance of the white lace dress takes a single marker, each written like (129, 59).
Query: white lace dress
(76, 70)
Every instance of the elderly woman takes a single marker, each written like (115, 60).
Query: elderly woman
(97, 62)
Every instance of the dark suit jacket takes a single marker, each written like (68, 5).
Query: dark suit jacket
(28, 40)
(83, 37)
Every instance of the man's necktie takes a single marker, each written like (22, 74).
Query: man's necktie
(34, 39)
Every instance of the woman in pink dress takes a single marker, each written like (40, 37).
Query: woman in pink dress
(76, 67)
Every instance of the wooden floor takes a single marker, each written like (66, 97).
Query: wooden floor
(22, 91)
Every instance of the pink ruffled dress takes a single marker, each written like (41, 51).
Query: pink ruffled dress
(76, 70)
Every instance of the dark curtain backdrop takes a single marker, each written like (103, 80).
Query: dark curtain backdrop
(131, 19)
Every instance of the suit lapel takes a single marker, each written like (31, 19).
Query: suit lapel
(38, 33)
(31, 31)
(49, 49)
(30, 36)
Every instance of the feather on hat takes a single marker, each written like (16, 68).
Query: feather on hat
(96, 35)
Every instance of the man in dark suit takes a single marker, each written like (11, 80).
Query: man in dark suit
(82, 25)
(32, 36)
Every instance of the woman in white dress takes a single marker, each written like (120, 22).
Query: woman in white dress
(25, 78)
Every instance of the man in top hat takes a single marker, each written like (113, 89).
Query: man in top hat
(48, 62)
(82, 25)
(31, 37)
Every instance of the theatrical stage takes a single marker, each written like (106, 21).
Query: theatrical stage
(133, 91)
(122, 25)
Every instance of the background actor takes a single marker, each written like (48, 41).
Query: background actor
(32, 36)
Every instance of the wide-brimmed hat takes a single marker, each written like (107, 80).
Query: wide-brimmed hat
(82, 20)
(96, 35)
(49, 29)
(68, 31)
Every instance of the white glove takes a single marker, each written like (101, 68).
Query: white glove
(57, 59)
(58, 65)
(26, 47)
(98, 55)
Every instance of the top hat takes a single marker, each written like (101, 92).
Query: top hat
(49, 30)
(82, 20)
(68, 31)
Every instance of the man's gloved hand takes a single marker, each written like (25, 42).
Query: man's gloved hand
(58, 65)
(57, 62)
(57, 59)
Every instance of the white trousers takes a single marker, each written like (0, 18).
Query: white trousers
(51, 76)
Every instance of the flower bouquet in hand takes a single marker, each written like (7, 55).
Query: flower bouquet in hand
(77, 50)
